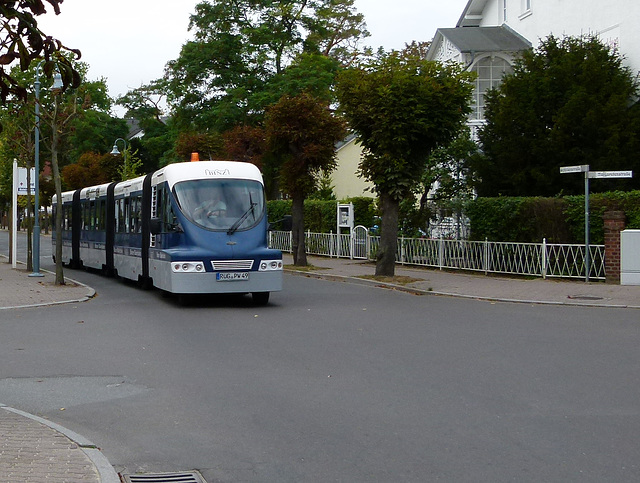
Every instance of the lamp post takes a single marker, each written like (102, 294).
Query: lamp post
(115, 150)
(57, 85)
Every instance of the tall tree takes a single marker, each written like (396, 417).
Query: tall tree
(568, 102)
(22, 40)
(240, 45)
(401, 107)
(302, 132)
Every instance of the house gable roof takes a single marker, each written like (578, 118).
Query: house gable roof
(471, 40)
(472, 13)
(486, 39)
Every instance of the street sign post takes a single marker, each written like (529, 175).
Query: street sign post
(574, 169)
(610, 174)
(584, 168)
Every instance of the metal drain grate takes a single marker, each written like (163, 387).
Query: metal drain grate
(183, 477)
(584, 297)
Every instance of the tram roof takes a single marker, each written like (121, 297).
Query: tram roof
(177, 172)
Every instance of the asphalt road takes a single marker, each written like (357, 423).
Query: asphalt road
(334, 382)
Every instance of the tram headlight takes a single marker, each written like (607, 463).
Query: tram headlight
(270, 265)
(187, 267)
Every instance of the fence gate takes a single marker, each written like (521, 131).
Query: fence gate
(360, 242)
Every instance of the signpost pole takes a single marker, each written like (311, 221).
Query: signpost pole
(14, 215)
(587, 254)
(587, 176)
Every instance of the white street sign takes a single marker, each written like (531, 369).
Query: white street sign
(574, 169)
(610, 174)
(22, 181)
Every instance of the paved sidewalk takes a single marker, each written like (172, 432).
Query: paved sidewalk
(19, 289)
(475, 285)
(33, 450)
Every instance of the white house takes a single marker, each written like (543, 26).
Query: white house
(491, 32)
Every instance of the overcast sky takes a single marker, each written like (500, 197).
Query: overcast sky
(128, 42)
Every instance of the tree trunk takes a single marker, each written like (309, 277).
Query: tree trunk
(58, 185)
(386, 259)
(297, 219)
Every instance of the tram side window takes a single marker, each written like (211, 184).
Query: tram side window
(164, 210)
(117, 215)
(66, 217)
(92, 215)
(86, 221)
(135, 213)
(122, 215)
(101, 215)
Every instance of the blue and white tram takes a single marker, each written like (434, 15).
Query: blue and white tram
(189, 228)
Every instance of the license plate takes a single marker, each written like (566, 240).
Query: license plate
(232, 276)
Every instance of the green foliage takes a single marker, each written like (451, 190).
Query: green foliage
(131, 166)
(320, 216)
(518, 219)
(559, 220)
(143, 104)
(568, 102)
(451, 172)
(302, 131)
(364, 210)
(401, 108)
(23, 41)
(93, 131)
(236, 64)
(324, 188)
(89, 170)
(599, 203)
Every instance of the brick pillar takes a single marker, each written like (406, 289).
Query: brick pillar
(614, 223)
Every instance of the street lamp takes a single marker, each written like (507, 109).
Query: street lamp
(115, 150)
(57, 86)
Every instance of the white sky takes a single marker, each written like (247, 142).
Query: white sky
(128, 42)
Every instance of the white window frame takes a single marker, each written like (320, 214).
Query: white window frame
(482, 83)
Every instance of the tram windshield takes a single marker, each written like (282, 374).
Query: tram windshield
(221, 204)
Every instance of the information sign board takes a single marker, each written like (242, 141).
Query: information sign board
(22, 181)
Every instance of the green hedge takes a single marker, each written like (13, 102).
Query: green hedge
(559, 220)
(526, 220)
(320, 216)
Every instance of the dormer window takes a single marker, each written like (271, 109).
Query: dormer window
(504, 11)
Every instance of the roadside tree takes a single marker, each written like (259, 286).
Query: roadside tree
(302, 131)
(401, 107)
(228, 73)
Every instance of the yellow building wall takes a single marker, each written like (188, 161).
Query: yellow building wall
(345, 181)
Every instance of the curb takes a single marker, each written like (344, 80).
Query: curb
(106, 472)
(89, 295)
(417, 291)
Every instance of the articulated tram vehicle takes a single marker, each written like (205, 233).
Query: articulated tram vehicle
(189, 228)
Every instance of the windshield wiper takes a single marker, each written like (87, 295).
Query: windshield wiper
(237, 224)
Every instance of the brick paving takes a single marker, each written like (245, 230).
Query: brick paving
(33, 452)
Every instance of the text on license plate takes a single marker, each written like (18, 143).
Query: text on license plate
(232, 276)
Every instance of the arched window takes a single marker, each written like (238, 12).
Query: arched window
(490, 71)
